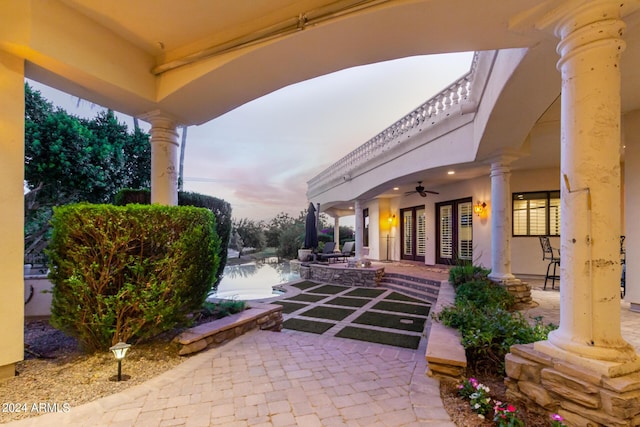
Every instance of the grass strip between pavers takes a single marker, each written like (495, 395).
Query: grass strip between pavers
(328, 289)
(401, 297)
(306, 298)
(392, 321)
(365, 293)
(399, 307)
(329, 313)
(388, 338)
(290, 307)
(307, 325)
(348, 302)
(305, 285)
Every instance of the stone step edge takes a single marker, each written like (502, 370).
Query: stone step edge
(412, 285)
(429, 298)
(264, 316)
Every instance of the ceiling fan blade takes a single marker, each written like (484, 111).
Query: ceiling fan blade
(431, 192)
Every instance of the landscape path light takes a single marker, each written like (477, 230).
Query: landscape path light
(120, 351)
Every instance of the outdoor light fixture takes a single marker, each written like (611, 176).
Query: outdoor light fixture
(120, 351)
(479, 208)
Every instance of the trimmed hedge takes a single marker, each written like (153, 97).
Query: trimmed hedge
(220, 208)
(129, 273)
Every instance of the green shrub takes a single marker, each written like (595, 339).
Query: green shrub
(487, 328)
(484, 293)
(464, 273)
(220, 208)
(223, 308)
(131, 272)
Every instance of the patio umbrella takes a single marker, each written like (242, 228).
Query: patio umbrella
(310, 229)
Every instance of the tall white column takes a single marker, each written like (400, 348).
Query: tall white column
(501, 220)
(359, 228)
(589, 333)
(12, 213)
(336, 231)
(164, 159)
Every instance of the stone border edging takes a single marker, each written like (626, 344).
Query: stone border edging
(264, 316)
(446, 358)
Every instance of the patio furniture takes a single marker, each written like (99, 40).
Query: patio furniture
(327, 251)
(549, 254)
(347, 251)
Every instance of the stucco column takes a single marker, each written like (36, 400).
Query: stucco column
(164, 159)
(359, 228)
(632, 203)
(501, 220)
(589, 334)
(12, 213)
(336, 231)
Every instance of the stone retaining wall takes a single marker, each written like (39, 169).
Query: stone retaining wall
(342, 275)
(211, 334)
(580, 396)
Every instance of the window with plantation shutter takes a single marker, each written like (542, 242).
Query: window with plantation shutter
(536, 213)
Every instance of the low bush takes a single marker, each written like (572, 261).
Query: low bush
(223, 308)
(487, 328)
(464, 273)
(129, 273)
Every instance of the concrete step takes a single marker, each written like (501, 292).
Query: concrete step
(427, 297)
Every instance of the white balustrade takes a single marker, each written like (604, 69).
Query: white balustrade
(434, 109)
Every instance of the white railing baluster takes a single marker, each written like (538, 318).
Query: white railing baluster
(384, 141)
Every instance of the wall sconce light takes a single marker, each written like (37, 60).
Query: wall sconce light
(120, 351)
(391, 220)
(479, 208)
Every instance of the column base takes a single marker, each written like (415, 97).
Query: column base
(520, 290)
(7, 371)
(611, 369)
(581, 395)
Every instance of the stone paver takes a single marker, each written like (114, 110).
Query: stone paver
(293, 379)
(317, 394)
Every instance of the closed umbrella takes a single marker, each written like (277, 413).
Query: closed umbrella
(310, 229)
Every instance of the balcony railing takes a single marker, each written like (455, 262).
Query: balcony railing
(429, 113)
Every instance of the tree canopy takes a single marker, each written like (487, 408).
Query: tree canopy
(69, 159)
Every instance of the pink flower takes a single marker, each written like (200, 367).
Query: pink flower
(511, 408)
(556, 417)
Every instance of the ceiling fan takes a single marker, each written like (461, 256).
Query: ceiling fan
(420, 190)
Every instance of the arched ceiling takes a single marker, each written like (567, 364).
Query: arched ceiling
(197, 59)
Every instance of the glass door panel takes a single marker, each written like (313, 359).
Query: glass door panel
(465, 231)
(421, 233)
(446, 232)
(407, 220)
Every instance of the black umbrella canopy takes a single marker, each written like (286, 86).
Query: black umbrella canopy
(310, 229)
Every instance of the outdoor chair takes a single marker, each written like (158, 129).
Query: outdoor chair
(347, 251)
(549, 254)
(327, 251)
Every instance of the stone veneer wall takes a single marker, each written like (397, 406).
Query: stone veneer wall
(342, 275)
(263, 316)
(582, 397)
(521, 291)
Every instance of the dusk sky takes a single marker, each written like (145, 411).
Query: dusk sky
(260, 156)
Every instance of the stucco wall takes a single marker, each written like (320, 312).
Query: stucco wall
(526, 252)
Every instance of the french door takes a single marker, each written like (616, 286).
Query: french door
(414, 233)
(454, 231)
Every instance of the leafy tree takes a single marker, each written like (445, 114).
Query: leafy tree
(68, 159)
(251, 233)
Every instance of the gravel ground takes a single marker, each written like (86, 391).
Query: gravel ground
(56, 371)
